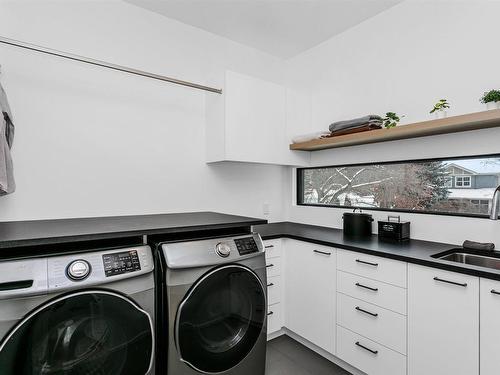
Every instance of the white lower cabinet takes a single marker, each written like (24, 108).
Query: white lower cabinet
(381, 325)
(273, 290)
(443, 322)
(490, 327)
(273, 267)
(381, 294)
(310, 292)
(369, 356)
(385, 317)
(274, 318)
(274, 285)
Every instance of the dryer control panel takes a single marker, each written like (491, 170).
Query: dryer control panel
(212, 251)
(246, 245)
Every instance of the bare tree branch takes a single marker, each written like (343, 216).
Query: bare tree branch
(372, 182)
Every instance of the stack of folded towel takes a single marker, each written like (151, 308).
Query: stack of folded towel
(356, 125)
(310, 136)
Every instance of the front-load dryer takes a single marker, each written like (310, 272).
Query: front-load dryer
(215, 304)
(82, 314)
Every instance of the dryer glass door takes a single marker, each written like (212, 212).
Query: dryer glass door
(90, 332)
(221, 319)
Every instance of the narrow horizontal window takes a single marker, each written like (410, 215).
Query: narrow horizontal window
(453, 186)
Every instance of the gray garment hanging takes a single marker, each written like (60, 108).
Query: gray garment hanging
(7, 183)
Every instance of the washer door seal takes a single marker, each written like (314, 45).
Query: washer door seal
(221, 318)
(85, 332)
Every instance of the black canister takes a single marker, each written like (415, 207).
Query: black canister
(357, 224)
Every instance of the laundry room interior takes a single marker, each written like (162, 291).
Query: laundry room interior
(249, 187)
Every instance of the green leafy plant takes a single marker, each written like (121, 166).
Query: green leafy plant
(440, 106)
(391, 119)
(491, 96)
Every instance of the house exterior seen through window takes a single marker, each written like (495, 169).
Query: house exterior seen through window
(463, 181)
(447, 186)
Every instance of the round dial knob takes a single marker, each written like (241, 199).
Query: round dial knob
(223, 249)
(78, 270)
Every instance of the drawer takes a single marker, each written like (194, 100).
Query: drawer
(378, 293)
(377, 268)
(368, 356)
(273, 267)
(273, 248)
(274, 318)
(273, 290)
(380, 325)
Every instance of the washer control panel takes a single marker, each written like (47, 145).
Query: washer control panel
(119, 263)
(78, 270)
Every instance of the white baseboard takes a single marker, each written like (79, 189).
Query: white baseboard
(275, 334)
(316, 349)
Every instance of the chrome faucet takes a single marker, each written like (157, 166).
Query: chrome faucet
(494, 204)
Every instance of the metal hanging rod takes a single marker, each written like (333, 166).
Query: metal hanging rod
(86, 60)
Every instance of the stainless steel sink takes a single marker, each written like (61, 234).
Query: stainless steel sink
(484, 259)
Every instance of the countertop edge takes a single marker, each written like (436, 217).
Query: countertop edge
(430, 262)
(37, 240)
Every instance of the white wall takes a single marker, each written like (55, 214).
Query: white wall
(91, 141)
(404, 60)
(96, 142)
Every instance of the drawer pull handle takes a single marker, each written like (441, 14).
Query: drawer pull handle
(270, 284)
(493, 291)
(268, 246)
(365, 262)
(364, 347)
(270, 265)
(367, 287)
(450, 282)
(270, 313)
(366, 312)
(322, 252)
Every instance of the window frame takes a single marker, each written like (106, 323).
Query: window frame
(300, 186)
(463, 177)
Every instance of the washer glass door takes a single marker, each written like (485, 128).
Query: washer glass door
(83, 333)
(221, 319)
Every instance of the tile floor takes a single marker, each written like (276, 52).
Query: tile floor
(286, 356)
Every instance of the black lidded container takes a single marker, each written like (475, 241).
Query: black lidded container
(394, 230)
(357, 224)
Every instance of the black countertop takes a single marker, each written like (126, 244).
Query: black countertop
(412, 251)
(45, 232)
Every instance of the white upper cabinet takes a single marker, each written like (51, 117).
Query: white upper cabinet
(248, 122)
(490, 326)
(310, 292)
(443, 322)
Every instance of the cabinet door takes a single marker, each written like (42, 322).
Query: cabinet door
(490, 326)
(310, 292)
(443, 322)
(255, 119)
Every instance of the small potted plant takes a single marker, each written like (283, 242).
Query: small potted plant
(391, 120)
(491, 99)
(439, 109)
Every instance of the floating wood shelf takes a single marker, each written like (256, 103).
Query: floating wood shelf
(455, 124)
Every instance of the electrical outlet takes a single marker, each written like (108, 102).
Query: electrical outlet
(266, 209)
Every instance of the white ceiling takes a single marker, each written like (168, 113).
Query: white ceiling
(283, 28)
